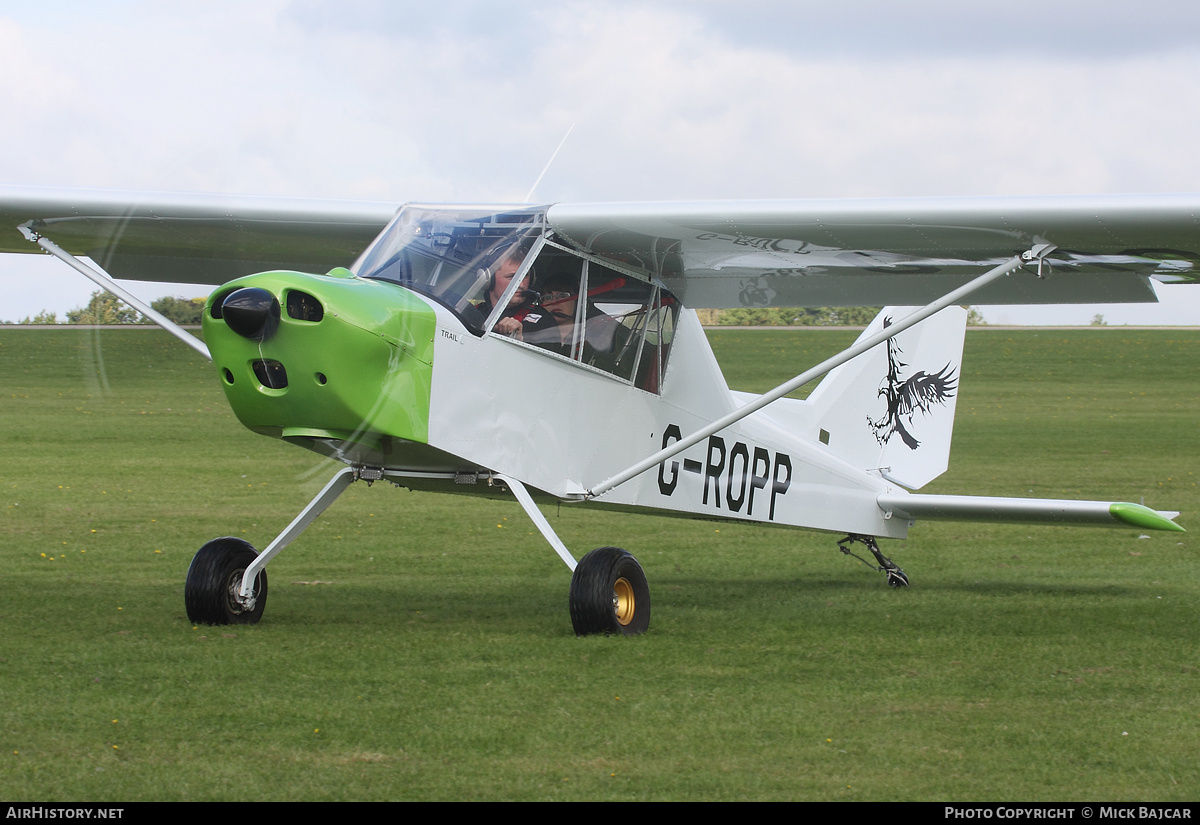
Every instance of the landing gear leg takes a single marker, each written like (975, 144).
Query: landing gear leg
(227, 584)
(609, 593)
(895, 576)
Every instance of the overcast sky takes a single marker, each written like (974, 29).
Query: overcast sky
(467, 101)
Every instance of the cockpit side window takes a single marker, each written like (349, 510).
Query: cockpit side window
(594, 315)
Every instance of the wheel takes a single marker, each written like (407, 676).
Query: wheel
(897, 578)
(213, 580)
(609, 594)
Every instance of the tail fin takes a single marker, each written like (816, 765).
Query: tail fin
(891, 409)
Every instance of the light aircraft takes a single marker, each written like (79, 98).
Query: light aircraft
(553, 353)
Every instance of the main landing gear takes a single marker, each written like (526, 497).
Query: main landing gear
(609, 593)
(227, 581)
(895, 576)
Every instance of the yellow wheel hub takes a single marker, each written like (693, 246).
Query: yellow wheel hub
(623, 601)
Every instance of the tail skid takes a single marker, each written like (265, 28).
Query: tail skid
(895, 576)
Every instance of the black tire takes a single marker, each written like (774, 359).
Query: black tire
(896, 578)
(213, 581)
(609, 594)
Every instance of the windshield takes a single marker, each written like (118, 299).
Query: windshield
(463, 257)
(497, 270)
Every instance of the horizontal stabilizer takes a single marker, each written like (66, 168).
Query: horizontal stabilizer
(1036, 510)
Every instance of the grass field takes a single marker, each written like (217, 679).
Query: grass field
(419, 647)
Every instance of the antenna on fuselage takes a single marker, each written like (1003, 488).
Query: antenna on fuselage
(529, 196)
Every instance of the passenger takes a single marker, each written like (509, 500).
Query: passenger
(560, 296)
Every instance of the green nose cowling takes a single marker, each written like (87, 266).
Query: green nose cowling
(360, 372)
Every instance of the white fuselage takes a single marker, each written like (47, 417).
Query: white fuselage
(560, 426)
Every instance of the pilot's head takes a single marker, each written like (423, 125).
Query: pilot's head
(502, 274)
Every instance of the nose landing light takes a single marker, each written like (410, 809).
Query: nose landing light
(252, 313)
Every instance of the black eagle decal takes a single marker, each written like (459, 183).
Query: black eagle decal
(906, 398)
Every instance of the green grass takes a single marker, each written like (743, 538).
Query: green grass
(418, 647)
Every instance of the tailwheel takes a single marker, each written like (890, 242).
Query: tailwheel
(895, 576)
(214, 580)
(609, 594)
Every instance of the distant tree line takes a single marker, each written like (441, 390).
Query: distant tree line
(804, 317)
(104, 308)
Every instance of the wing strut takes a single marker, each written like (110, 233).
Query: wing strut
(1036, 253)
(103, 280)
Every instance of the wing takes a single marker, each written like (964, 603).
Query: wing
(878, 252)
(717, 254)
(189, 238)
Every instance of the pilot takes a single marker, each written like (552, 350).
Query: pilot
(523, 313)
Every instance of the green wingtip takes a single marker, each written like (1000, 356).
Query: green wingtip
(1140, 516)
